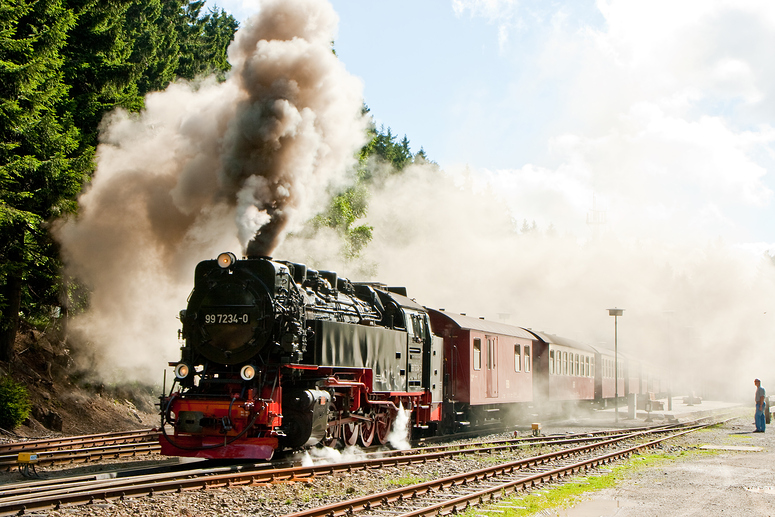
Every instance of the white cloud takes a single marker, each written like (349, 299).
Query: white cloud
(660, 111)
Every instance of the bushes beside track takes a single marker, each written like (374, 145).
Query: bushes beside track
(15, 403)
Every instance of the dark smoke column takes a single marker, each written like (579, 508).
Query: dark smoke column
(261, 149)
(297, 124)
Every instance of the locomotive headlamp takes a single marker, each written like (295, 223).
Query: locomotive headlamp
(182, 370)
(226, 259)
(247, 372)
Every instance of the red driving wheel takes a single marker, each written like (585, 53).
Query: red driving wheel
(350, 432)
(384, 424)
(367, 433)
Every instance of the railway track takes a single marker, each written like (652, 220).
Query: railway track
(454, 494)
(75, 491)
(79, 449)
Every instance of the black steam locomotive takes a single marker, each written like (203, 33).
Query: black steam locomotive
(278, 356)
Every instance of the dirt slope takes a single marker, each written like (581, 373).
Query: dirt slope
(68, 401)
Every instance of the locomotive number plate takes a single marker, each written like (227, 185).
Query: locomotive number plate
(226, 317)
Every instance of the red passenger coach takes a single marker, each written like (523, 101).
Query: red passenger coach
(565, 372)
(487, 366)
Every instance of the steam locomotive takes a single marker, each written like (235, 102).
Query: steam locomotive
(278, 357)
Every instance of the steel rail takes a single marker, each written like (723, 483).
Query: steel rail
(492, 493)
(538, 440)
(137, 435)
(384, 499)
(85, 455)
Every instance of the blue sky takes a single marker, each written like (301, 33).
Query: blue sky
(660, 111)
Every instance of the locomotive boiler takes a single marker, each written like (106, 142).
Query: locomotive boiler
(277, 356)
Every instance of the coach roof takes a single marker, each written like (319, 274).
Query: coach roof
(482, 325)
(557, 340)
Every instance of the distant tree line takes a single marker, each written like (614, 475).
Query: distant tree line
(382, 156)
(64, 64)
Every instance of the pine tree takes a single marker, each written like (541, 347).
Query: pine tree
(38, 176)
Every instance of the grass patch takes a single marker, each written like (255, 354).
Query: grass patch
(576, 490)
(406, 480)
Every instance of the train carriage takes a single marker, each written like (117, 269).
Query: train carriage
(565, 372)
(488, 368)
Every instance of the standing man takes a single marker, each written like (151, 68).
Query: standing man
(759, 415)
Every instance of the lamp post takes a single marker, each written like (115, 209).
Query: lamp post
(616, 313)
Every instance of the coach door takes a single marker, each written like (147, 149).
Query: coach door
(492, 366)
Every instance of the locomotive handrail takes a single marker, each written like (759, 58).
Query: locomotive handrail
(334, 382)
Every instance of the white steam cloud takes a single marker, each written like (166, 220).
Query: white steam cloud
(208, 168)
(702, 313)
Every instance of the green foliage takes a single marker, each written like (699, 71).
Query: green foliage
(383, 145)
(204, 40)
(344, 210)
(15, 403)
(63, 65)
(126, 48)
(352, 205)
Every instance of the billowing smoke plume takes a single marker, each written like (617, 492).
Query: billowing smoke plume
(208, 168)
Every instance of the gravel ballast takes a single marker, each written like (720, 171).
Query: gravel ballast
(723, 482)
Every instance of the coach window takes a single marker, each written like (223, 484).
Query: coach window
(551, 361)
(517, 357)
(586, 366)
(477, 353)
(527, 359)
(591, 366)
(576, 365)
(565, 363)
